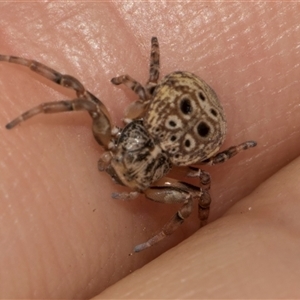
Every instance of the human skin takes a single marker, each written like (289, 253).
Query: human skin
(61, 234)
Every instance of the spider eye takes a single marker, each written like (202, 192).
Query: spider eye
(203, 129)
(185, 106)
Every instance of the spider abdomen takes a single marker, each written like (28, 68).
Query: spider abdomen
(186, 118)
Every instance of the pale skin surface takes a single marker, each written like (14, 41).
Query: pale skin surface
(61, 234)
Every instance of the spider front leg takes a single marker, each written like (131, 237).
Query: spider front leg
(102, 127)
(138, 109)
(37, 67)
(171, 191)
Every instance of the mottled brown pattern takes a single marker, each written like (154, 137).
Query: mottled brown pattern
(177, 121)
(176, 129)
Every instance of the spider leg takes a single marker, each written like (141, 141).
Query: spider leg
(125, 195)
(64, 80)
(53, 107)
(169, 190)
(204, 200)
(102, 126)
(138, 108)
(154, 62)
(132, 84)
(228, 153)
(101, 123)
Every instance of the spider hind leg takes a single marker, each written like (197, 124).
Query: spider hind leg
(138, 108)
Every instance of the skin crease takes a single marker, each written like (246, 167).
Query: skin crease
(61, 234)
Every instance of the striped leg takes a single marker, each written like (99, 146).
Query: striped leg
(138, 108)
(102, 126)
(204, 200)
(154, 62)
(228, 153)
(170, 191)
(64, 80)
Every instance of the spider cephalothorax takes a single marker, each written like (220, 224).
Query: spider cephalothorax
(177, 121)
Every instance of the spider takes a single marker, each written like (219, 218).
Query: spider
(177, 121)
